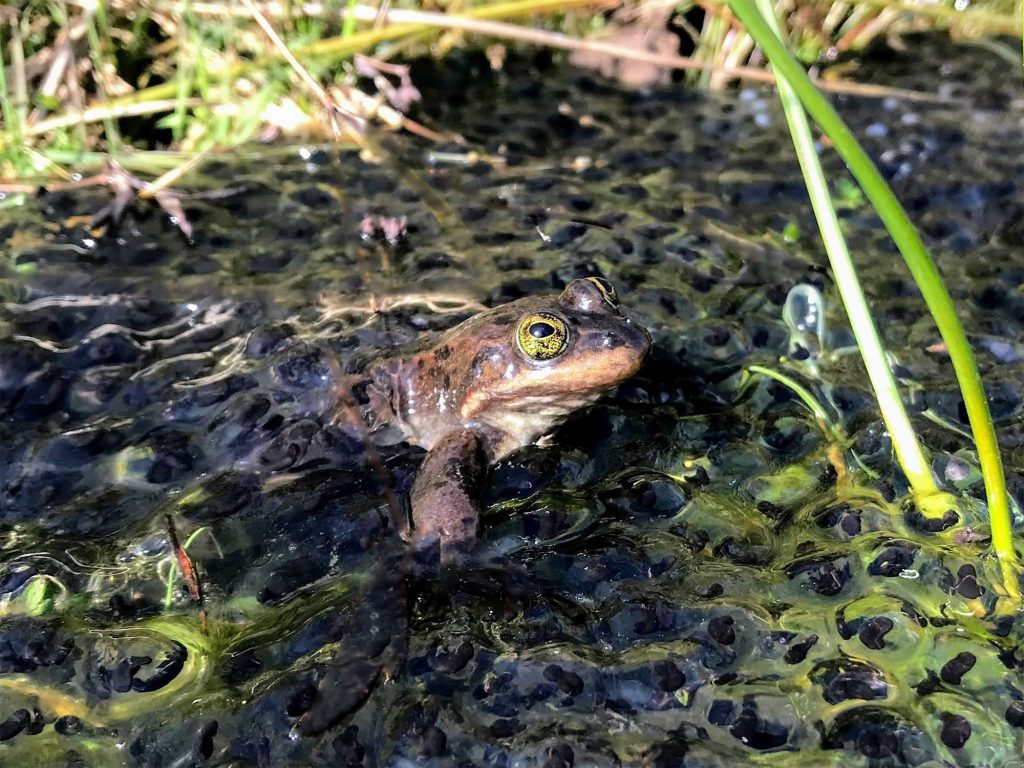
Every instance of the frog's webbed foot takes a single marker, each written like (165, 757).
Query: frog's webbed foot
(445, 496)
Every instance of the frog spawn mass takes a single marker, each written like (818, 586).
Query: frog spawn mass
(741, 605)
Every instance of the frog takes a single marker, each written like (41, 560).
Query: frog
(499, 381)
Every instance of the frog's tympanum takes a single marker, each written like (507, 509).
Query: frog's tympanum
(494, 383)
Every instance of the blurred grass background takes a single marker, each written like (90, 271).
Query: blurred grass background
(136, 80)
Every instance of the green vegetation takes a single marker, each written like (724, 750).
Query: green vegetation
(908, 449)
(922, 268)
(137, 79)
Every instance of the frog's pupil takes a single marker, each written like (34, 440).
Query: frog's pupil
(541, 330)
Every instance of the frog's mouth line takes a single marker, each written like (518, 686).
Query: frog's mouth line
(549, 405)
(600, 369)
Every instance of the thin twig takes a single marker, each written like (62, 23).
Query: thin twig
(366, 106)
(160, 183)
(17, 52)
(105, 112)
(54, 75)
(188, 572)
(328, 104)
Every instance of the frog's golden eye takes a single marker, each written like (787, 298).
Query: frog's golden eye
(607, 290)
(542, 335)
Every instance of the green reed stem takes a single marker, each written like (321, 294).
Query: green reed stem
(348, 26)
(921, 267)
(12, 144)
(804, 395)
(95, 24)
(904, 439)
(184, 76)
(12, 121)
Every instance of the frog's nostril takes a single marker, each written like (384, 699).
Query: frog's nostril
(612, 340)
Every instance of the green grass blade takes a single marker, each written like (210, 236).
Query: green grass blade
(94, 23)
(921, 268)
(904, 439)
(12, 134)
(348, 27)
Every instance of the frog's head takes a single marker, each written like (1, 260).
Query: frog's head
(536, 360)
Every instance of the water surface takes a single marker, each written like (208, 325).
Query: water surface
(692, 577)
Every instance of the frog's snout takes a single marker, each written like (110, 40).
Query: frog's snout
(613, 340)
(627, 346)
(631, 335)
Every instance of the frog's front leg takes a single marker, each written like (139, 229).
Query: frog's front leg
(445, 494)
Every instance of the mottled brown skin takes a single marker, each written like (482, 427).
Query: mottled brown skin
(474, 396)
(446, 491)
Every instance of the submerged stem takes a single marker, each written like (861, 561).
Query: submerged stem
(798, 389)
